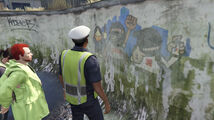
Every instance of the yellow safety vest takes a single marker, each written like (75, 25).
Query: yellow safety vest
(73, 63)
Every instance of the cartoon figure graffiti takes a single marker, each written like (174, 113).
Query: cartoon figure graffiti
(131, 23)
(176, 48)
(116, 37)
(98, 40)
(114, 53)
(146, 53)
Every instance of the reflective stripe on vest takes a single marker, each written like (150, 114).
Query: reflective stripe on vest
(74, 84)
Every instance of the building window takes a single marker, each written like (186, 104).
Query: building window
(20, 5)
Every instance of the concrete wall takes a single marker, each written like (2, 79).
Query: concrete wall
(156, 57)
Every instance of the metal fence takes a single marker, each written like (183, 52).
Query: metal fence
(20, 5)
(64, 4)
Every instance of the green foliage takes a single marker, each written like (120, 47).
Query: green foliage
(58, 4)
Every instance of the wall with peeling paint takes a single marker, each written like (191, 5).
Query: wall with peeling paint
(156, 57)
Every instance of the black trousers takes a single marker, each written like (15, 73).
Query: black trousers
(92, 109)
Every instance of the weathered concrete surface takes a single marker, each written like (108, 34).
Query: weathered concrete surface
(156, 57)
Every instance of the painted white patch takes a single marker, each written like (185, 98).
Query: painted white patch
(136, 81)
(35, 61)
(132, 93)
(167, 88)
(147, 88)
(158, 79)
(124, 106)
(121, 86)
(129, 79)
(143, 114)
(48, 67)
(109, 75)
(132, 69)
(170, 62)
(187, 68)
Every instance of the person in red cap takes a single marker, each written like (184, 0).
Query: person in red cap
(81, 78)
(21, 87)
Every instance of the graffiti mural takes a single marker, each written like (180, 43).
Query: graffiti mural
(145, 47)
(137, 55)
(99, 40)
(155, 57)
(176, 47)
(131, 23)
(147, 50)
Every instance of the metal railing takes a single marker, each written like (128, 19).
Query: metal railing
(47, 5)
(64, 4)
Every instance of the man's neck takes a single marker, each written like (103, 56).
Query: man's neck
(22, 62)
(85, 44)
(3, 60)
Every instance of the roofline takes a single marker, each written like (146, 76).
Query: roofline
(96, 5)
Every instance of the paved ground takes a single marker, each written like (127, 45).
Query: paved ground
(59, 110)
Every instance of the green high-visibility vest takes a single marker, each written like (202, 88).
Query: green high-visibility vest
(73, 63)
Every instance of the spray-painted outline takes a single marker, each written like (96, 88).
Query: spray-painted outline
(208, 37)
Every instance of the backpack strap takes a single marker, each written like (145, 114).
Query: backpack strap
(13, 93)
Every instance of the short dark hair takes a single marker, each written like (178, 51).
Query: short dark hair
(6, 53)
(80, 42)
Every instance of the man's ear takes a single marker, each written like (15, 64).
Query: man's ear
(20, 56)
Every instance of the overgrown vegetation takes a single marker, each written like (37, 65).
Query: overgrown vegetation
(58, 4)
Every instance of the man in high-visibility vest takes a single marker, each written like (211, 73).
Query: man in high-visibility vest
(21, 88)
(81, 78)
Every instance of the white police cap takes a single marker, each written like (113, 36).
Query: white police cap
(79, 32)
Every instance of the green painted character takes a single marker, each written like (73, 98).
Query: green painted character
(181, 93)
